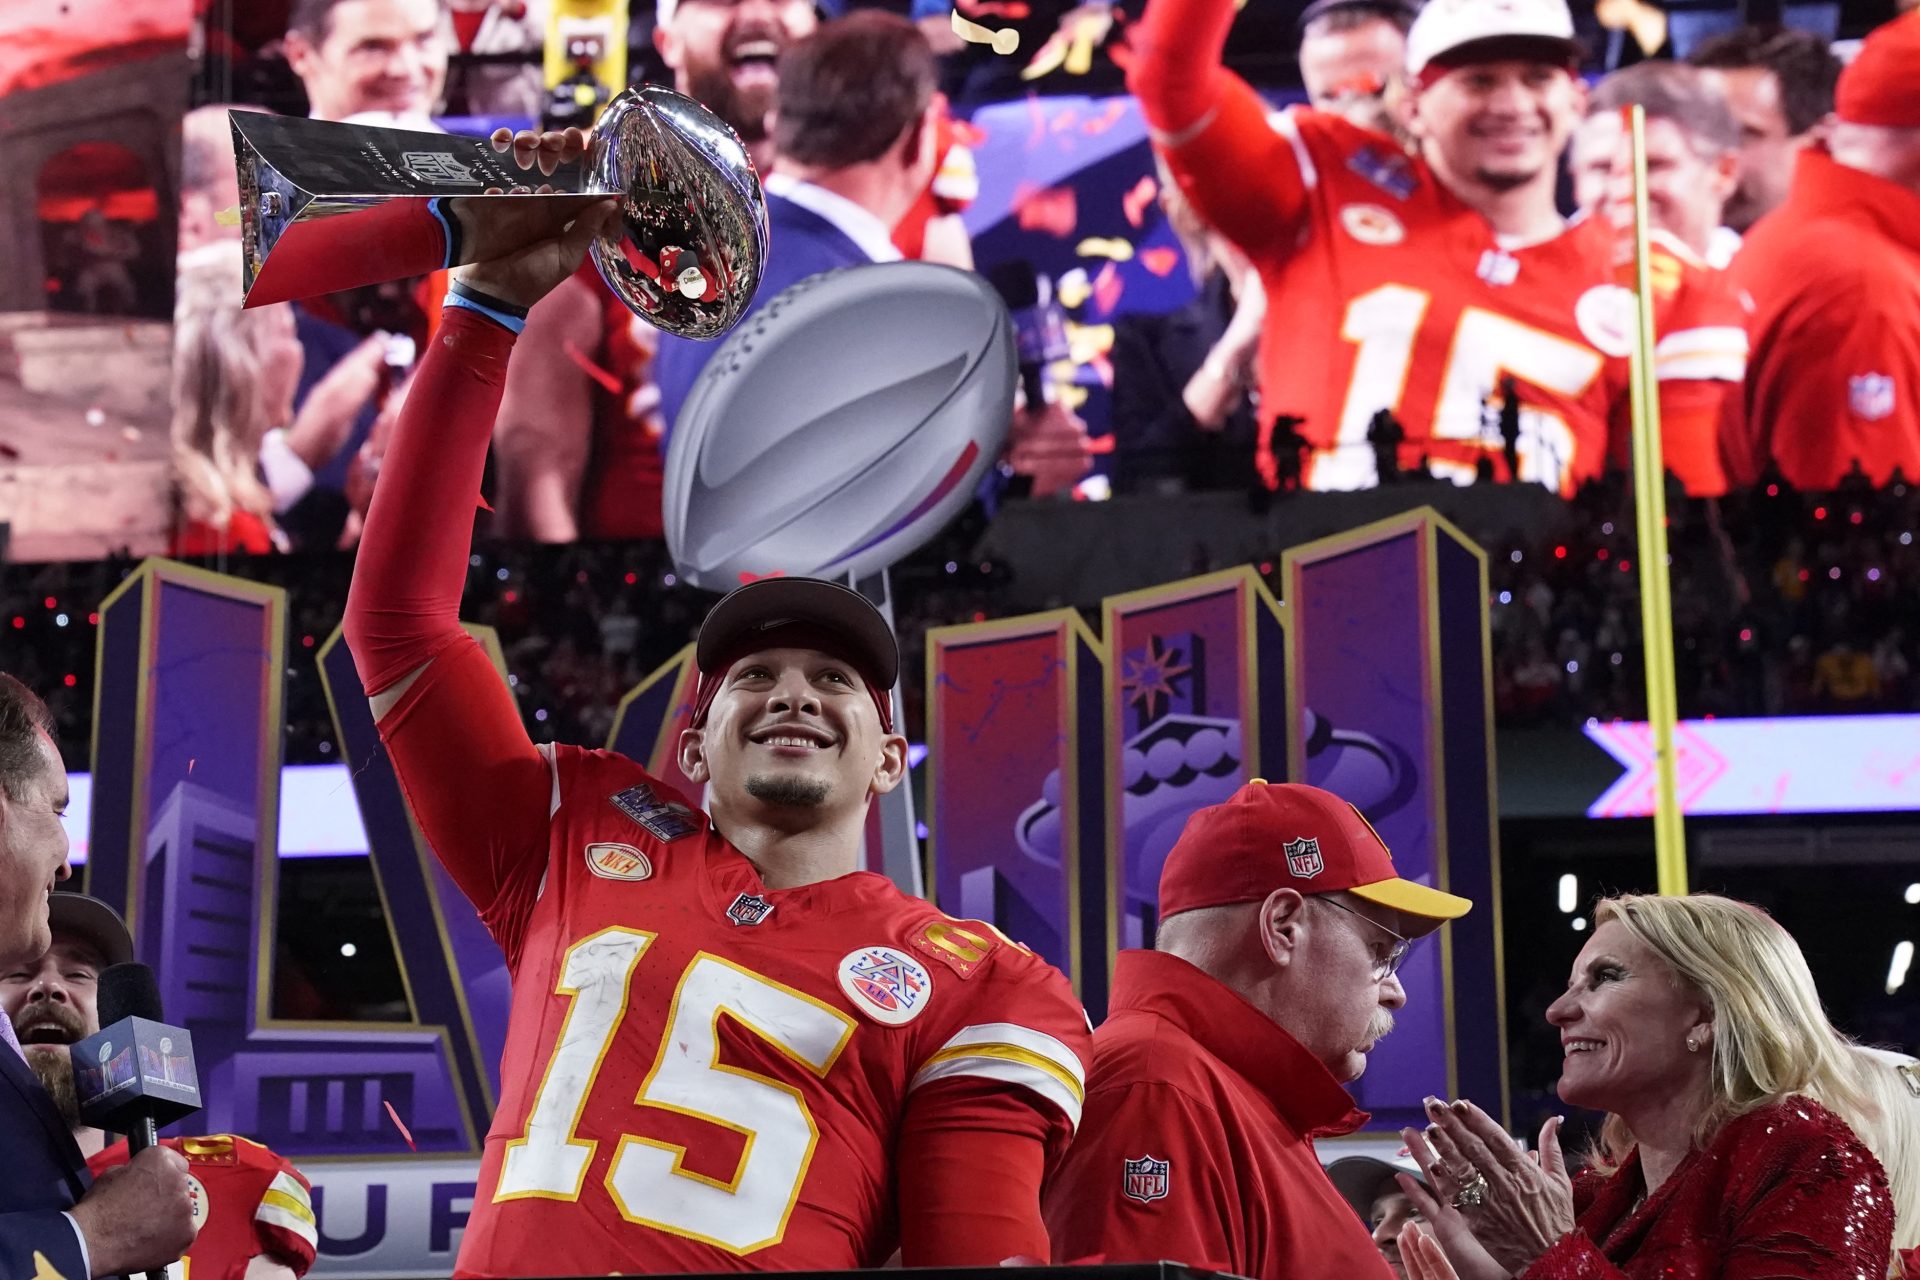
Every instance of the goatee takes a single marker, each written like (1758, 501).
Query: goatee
(784, 789)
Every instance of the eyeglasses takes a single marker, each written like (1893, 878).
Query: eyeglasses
(1389, 964)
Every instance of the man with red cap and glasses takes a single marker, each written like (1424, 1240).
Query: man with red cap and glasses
(1423, 284)
(1282, 924)
(1834, 382)
(729, 1047)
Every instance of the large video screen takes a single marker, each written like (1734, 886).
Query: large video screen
(143, 410)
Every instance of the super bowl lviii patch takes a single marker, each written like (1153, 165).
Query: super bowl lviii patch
(1145, 1179)
(664, 820)
(888, 986)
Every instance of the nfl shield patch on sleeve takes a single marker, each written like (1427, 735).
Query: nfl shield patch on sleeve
(1146, 1179)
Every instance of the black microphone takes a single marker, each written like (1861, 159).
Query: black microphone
(1039, 325)
(136, 1073)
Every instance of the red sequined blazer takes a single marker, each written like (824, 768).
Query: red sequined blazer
(1782, 1193)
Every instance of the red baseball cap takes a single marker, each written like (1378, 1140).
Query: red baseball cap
(1287, 835)
(1881, 86)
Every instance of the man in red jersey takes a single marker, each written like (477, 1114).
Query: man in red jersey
(1835, 277)
(1282, 927)
(580, 431)
(729, 1048)
(253, 1216)
(1420, 284)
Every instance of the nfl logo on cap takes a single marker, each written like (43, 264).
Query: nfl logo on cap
(1303, 858)
(1145, 1179)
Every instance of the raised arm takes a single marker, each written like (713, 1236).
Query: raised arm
(1246, 178)
(476, 784)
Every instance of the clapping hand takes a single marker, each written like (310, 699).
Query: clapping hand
(1490, 1201)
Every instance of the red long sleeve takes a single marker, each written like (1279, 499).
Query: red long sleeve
(404, 605)
(976, 1154)
(1177, 71)
(476, 784)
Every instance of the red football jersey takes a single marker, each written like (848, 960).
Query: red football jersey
(1387, 292)
(621, 492)
(248, 1203)
(704, 1074)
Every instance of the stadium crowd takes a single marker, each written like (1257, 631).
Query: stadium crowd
(1785, 604)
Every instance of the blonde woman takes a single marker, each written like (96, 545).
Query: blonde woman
(235, 374)
(1695, 1025)
(1891, 1130)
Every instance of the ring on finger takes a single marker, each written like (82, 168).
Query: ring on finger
(1472, 1193)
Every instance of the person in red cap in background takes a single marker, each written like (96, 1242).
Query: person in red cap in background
(1282, 925)
(1834, 378)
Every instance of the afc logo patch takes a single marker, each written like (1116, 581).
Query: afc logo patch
(888, 986)
(1303, 858)
(749, 908)
(664, 820)
(613, 861)
(1145, 1179)
(1870, 396)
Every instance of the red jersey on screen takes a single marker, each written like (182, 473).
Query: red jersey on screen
(704, 1074)
(248, 1201)
(624, 477)
(1386, 291)
(955, 185)
(1835, 272)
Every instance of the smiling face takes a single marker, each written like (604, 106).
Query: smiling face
(723, 53)
(793, 737)
(1498, 125)
(374, 55)
(1624, 1022)
(53, 1001)
(33, 855)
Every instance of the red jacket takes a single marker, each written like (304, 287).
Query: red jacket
(1785, 1192)
(1197, 1139)
(1834, 369)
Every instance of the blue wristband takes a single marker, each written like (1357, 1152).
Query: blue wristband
(449, 231)
(511, 323)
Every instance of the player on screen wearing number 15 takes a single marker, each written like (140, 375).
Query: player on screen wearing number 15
(1421, 283)
(729, 1049)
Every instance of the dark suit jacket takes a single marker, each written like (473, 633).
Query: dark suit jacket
(41, 1174)
(801, 243)
(1155, 439)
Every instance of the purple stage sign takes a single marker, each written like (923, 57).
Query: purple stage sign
(1061, 767)
(1378, 689)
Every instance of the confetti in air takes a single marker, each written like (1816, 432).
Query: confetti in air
(395, 1117)
(1002, 42)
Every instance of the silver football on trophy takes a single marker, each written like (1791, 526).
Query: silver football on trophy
(327, 206)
